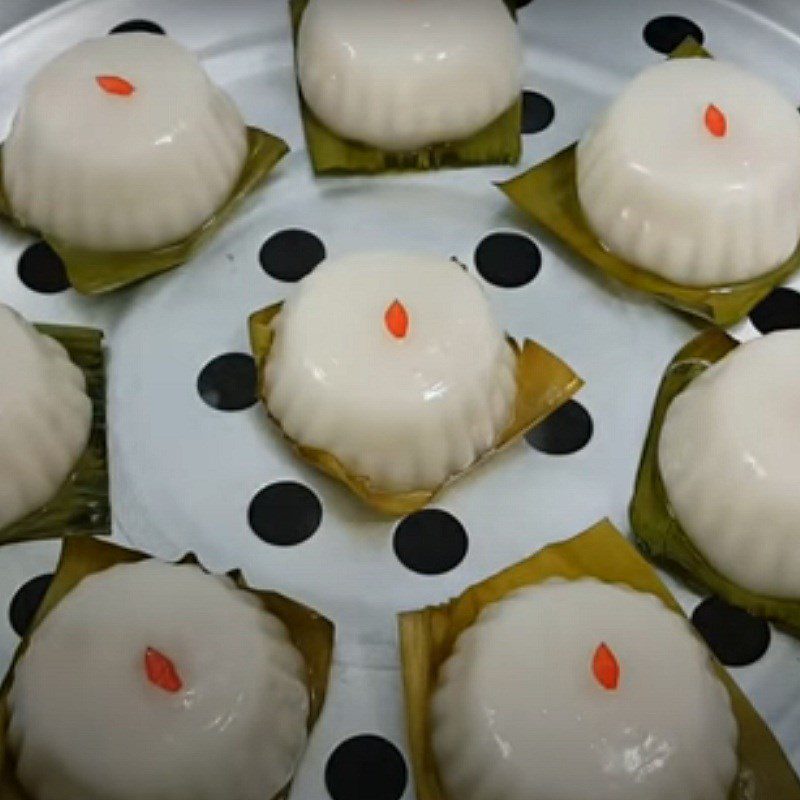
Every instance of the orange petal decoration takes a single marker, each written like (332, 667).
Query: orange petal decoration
(396, 319)
(716, 121)
(606, 667)
(161, 671)
(113, 84)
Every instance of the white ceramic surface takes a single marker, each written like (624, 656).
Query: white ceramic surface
(184, 474)
(446, 69)
(231, 722)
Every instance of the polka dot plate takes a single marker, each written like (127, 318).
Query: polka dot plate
(195, 464)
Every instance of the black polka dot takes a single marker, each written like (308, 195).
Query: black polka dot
(291, 254)
(285, 513)
(736, 637)
(778, 311)
(566, 431)
(228, 382)
(26, 602)
(41, 270)
(664, 34)
(140, 25)
(508, 259)
(430, 541)
(366, 767)
(538, 112)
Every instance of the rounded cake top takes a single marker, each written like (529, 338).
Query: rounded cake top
(205, 691)
(757, 400)
(117, 97)
(729, 455)
(582, 689)
(396, 330)
(401, 74)
(706, 126)
(39, 364)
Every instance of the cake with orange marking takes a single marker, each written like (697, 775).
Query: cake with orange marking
(122, 143)
(394, 364)
(151, 681)
(582, 689)
(693, 173)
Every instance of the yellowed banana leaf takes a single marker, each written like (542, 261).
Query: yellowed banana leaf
(544, 384)
(91, 272)
(658, 533)
(548, 193)
(310, 632)
(427, 638)
(80, 507)
(498, 143)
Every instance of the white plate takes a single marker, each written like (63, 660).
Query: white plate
(184, 474)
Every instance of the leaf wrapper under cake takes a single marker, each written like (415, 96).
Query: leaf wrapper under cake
(656, 529)
(81, 505)
(548, 193)
(544, 384)
(96, 272)
(311, 633)
(500, 142)
(427, 638)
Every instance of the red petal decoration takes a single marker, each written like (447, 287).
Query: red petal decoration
(396, 319)
(716, 121)
(606, 667)
(113, 84)
(161, 671)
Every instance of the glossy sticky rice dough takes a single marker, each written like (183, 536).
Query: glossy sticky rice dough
(581, 689)
(729, 457)
(393, 363)
(158, 682)
(399, 75)
(693, 173)
(122, 143)
(45, 417)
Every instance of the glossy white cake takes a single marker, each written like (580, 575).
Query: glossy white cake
(405, 409)
(220, 714)
(693, 173)
(581, 689)
(399, 75)
(729, 457)
(122, 143)
(45, 417)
